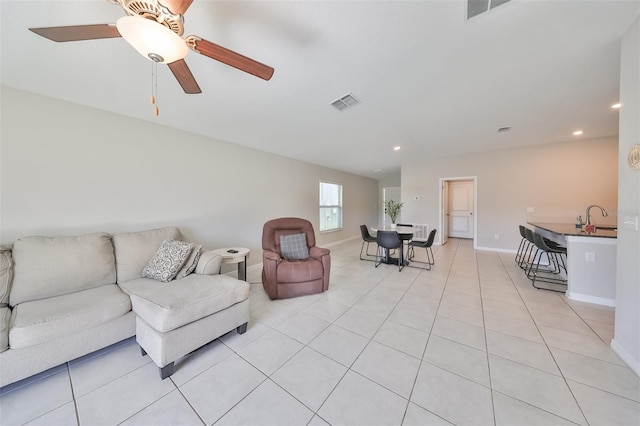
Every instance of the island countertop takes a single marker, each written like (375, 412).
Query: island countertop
(570, 230)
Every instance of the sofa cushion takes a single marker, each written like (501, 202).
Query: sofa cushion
(167, 306)
(5, 317)
(166, 263)
(134, 249)
(294, 246)
(52, 266)
(191, 263)
(44, 320)
(6, 274)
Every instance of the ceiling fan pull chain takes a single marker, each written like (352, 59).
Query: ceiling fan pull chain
(154, 86)
(155, 74)
(153, 98)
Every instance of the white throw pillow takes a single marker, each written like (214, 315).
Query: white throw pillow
(167, 261)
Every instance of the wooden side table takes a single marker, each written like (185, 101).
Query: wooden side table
(240, 257)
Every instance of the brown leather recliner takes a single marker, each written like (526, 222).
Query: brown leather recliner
(284, 278)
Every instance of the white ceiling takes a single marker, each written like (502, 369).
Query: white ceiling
(429, 81)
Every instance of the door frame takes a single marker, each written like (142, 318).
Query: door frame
(441, 218)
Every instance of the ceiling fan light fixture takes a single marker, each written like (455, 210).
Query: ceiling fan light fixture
(151, 39)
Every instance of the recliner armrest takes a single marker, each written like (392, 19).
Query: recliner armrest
(318, 252)
(209, 263)
(271, 255)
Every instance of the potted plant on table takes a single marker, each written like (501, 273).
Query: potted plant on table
(393, 210)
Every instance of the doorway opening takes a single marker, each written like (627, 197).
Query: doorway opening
(458, 204)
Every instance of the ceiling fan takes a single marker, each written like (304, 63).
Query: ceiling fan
(154, 28)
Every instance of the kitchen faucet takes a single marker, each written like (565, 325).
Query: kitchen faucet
(604, 213)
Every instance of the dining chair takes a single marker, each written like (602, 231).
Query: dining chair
(366, 238)
(427, 244)
(388, 240)
(406, 240)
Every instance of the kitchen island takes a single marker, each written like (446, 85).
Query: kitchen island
(591, 260)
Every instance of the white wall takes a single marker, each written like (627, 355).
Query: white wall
(558, 180)
(67, 169)
(627, 325)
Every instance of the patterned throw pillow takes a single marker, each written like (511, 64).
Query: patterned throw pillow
(294, 246)
(191, 263)
(167, 261)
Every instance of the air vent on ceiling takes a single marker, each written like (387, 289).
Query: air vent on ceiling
(345, 102)
(476, 7)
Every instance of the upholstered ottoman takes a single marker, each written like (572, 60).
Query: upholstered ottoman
(176, 318)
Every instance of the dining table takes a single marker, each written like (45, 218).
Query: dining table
(405, 233)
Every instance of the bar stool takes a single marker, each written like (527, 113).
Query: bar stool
(524, 247)
(552, 272)
(529, 250)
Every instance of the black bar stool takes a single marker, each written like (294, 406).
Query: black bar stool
(552, 273)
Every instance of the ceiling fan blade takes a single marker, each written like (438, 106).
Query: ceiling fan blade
(183, 74)
(78, 32)
(178, 7)
(229, 57)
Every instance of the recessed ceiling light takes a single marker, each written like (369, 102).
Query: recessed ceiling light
(578, 133)
(616, 105)
(377, 170)
(396, 148)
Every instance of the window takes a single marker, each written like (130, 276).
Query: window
(330, 206)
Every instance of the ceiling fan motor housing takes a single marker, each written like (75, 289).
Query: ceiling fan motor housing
(152, 9)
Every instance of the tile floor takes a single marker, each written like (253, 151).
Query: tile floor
(467, 343)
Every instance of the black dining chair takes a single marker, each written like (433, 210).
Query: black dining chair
(366, 238)
(406, 239)
(388, 240)
(427, 244)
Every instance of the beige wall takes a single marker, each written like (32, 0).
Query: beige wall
(558, 180)
(68, 169)
(627, 326)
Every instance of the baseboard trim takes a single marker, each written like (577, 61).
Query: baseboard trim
(500, 250)
(591, 299)
(335, 243)
(633, 364)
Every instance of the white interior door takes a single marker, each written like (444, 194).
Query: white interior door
(461, 209)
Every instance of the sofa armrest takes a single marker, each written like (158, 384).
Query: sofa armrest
(209, 263)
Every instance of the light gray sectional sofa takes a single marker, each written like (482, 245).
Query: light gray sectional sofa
(64, 297)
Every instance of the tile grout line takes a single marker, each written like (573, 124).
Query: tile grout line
(552, 357)
(424, 351)
(187, 400)
(73, 394)
(486, 343)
